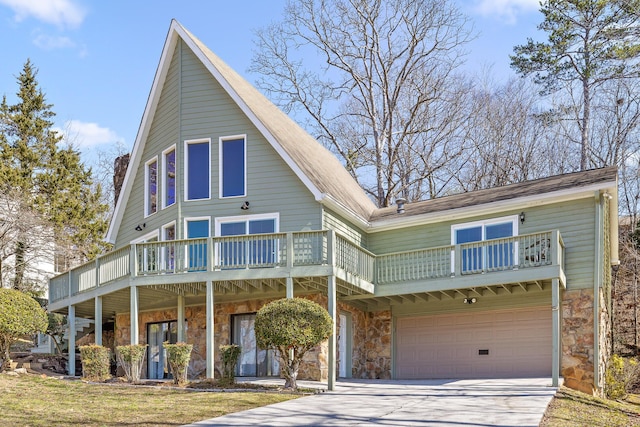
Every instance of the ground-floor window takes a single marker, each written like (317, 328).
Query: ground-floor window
(157, 333)
(253, 361)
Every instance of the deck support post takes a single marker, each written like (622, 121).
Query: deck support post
(135, 328)
(98, 320)
(209, 330)
(71, 324)
(555, 332)
(181, 335)
(332, 309)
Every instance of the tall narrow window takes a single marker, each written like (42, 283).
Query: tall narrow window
(198, 170)
(169, 166)
(169, 234)
(232, 167)
(197, 251)
(151, 187)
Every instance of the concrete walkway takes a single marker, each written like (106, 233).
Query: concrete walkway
(469, 403)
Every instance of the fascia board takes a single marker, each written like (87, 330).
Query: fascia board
(143, 131)
(492, 207)
(317, 194)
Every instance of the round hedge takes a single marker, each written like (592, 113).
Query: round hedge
(292, 322)
(20, 314)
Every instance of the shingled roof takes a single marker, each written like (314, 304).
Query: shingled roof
(570, 181)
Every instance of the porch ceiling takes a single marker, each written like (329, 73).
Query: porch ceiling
(163, 296)
(377, 303)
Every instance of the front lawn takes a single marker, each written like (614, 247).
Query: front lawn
(32, 400)
(570, 408)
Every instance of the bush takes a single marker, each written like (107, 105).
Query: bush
(178, 356)
(619, 376)
(230, 355)
(293, 326)
(20, 316)
(131, 358)
(95, 362)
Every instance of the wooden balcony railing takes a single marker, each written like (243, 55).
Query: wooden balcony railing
(299, 249)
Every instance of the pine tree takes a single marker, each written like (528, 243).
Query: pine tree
(40, 175)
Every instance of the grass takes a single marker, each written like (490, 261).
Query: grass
(32, 400)
(572, 408)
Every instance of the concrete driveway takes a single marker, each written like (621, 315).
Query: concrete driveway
(470, 403)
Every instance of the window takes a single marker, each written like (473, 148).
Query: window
(147, 256)
(242, 252)
(197, 251)
(198, 169)
(253, 361)
(151, 187)
(169, 176)
(490, 255)
(233, 167)
(169, 234)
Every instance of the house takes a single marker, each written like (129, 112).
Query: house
(227, 204)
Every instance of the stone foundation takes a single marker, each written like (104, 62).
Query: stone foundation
(577, 366)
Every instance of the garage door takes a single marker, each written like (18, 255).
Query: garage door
(496, 344)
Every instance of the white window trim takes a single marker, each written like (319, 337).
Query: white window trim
(196, 218)
(246, 218)
(221, 140)
(165, 188)
(146, 186)
(514, 219)
(164, 228)
(146, 237)
(187, 142)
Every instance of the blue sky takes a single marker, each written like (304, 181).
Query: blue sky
(97, 59)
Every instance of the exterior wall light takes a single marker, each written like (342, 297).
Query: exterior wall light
(469, 300)
(522, 217)
(245, 206)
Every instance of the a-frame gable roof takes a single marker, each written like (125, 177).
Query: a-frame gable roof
(318, 169)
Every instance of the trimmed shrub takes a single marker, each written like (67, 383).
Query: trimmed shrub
(131, 358)
(292, 326)
(619, 376)
(178, 356)
(230, 355)
(20, 316)
(95, 362)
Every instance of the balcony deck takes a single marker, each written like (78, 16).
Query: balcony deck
(253, 264)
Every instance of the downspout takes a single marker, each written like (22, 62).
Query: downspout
(597, 284)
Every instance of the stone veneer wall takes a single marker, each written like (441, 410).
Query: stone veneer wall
(371, 356)
(577, 366)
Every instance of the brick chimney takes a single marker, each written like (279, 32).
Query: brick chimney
(119, 171)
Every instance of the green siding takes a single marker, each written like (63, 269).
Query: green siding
(574, 219)
(333, 221)
(194, 106)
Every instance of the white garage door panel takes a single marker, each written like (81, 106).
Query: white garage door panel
(447, 346)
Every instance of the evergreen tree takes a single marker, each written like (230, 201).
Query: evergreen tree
(46, 177)
(590, 42)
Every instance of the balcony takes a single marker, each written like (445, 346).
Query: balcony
(516, 260)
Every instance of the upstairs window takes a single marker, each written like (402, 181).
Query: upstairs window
(493, 250)
(233, 166)
(197, 169)
(169, 177)
(151, 187)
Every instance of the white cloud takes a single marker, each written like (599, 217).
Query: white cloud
(85, 134)
(46, 42)
(63, 13)
(506, 10)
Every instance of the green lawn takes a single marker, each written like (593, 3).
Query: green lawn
(571, 408)
(32, 400)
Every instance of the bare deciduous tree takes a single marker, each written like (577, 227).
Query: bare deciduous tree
(368, 77)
